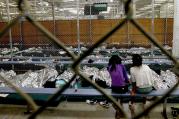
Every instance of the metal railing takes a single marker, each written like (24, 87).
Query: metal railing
(24, 6)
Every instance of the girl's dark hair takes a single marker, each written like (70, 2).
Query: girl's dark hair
(136, 60)
(115, 59)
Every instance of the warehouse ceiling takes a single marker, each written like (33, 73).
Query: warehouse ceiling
(74, 9)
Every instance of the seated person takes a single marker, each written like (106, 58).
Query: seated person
(141, 77)
(119, 78)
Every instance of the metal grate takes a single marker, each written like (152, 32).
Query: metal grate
(23, 7)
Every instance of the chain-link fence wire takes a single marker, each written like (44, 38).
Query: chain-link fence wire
(169, 31)
(127, 36)
(23, 6)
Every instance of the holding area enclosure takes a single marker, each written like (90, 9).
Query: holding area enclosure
(23, 6)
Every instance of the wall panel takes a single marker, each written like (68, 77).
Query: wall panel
(66, 32)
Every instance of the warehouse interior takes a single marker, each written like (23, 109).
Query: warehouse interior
(43, 41)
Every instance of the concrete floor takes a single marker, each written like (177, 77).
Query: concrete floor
(77, 110)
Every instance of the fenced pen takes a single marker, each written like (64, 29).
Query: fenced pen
(25, 30)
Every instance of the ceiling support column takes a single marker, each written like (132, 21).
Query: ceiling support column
(10, 32)
(175, 49)
(78, 27)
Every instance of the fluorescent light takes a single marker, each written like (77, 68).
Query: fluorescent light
(145, 8)
(69, 0)
(160, 1)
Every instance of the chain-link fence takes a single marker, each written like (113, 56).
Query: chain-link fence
(42, 36)
(90, 31)
(84, 26)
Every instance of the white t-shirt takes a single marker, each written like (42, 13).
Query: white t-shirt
(142, 75)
